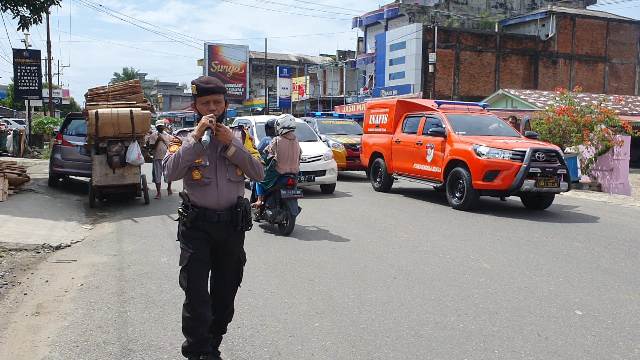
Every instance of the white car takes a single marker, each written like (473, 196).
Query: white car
(317, 166)
(13, 124)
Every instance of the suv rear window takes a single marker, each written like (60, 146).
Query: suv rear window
(76, 127)
(480, 125)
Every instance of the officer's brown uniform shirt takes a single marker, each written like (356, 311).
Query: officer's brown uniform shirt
(212, 176)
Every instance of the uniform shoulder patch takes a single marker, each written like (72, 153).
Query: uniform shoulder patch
(175, 145)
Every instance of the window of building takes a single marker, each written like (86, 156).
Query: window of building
(397, 61)
(397, 75)
(398, 46)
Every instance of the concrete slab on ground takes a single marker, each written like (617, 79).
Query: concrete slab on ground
(38, 214)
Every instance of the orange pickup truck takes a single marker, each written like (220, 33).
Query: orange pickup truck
(461, 148)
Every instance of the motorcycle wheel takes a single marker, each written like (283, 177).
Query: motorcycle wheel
(285, 227)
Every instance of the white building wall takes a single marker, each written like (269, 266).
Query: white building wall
(412, 36)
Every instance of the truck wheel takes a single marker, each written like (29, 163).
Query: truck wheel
(460, 192)
(328, 188)
(537, 201)
(381, 180)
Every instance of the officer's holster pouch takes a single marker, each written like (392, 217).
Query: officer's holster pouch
(186, 212)
(242, 218)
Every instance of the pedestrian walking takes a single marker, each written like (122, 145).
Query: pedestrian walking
(159, 142)
(214, 216)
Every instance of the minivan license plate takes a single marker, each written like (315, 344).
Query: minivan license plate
(306, 178)
(547, 183)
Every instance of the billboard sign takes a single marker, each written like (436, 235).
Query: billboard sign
(229, 64)
(27, 74)
(284, 87)
(299, 88)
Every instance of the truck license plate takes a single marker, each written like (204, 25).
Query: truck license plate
(547, 183)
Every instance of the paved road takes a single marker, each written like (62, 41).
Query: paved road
(364, 276)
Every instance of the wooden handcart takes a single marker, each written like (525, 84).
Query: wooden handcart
(107, 180)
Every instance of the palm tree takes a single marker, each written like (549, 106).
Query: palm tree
(128, 73)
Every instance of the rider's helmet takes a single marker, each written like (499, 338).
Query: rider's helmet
(270, 128)
(285, 123)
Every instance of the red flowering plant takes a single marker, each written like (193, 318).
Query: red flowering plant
(568, 123)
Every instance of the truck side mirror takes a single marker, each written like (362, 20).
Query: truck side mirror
(531, 135)
(437, 132)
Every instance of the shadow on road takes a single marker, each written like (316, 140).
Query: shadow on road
(307, 233)
(353, 176)
(512, 209)
(313, 194)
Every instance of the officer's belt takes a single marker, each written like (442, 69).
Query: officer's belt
(214, 216)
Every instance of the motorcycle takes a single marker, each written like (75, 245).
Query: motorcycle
(281, 205)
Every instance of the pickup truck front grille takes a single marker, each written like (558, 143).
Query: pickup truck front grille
(545, 156)
(518, 155)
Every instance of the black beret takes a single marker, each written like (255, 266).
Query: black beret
(207, 85)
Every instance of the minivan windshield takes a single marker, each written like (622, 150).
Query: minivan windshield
(480, 125)
(338, 127)
(304, 133)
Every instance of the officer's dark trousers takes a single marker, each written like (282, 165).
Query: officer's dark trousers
(208, 306)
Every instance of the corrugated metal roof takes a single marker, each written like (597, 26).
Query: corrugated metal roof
(561, 10)
(290, 57)
(622, 104)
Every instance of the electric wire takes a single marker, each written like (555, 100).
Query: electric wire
(283, 11)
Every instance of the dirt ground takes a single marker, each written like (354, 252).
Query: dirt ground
(16, 265)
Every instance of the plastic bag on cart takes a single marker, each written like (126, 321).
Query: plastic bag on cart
(134, 154)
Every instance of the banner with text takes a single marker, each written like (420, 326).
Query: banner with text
(284, 87)
(27, 74)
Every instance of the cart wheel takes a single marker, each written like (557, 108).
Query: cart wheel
(145, 189)
(92, 196)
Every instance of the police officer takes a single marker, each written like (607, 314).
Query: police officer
(212, 253)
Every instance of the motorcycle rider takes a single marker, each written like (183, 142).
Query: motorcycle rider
(270, 133)
(282, 156)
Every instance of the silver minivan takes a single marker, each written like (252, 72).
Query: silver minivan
(69, 153)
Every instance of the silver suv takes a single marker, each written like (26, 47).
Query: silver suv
(69, 154)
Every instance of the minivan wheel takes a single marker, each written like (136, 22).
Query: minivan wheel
(54, 180)
(533, 201)
(328, 188)
(460, 192)
(381, 180)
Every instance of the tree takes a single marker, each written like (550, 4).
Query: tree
(9, 101)
(128, 73)
(28, 12)
(71, 107)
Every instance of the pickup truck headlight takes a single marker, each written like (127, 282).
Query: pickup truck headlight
(335, 145)
(327, 155)
(486, 152)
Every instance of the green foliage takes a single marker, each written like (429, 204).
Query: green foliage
(10, 99)
(44, 125)
(28, 12)
(568, 123)
(68, 108)
(128, 73)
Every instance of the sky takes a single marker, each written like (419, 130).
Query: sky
(94, 44)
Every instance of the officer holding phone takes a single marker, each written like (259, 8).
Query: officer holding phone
(213, 218)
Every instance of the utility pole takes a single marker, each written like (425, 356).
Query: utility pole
(27, 45)
(60, 69)
(266, 89)
(49, 74)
